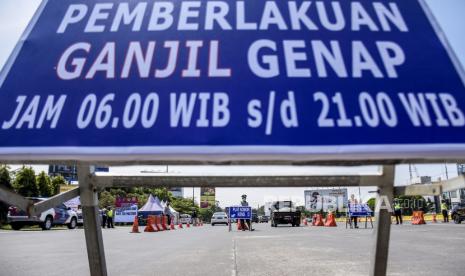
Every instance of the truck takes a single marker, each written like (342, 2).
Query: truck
(59, 215)
(284, 212)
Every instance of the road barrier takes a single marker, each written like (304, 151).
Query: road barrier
(180, 225)
(418, 218)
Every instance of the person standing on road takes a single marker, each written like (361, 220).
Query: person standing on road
(244, 203)
(168, 213)
(445, 211)
(353, 203)
(397, 211)
(194, 218)
(110, 214)
(104, 217)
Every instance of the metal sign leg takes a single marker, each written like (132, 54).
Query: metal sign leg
(382, 228)
(92, 229)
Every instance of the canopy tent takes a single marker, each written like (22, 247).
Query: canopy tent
(173, 212)
(151, 207)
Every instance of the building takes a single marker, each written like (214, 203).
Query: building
(457, 196)
(177, 191)
(69, 172)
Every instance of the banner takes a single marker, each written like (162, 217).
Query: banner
(326, 199)
(207, 197)
(232, 80)
(126, 213)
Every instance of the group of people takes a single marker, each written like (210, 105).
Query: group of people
(107, 217)
(398, 211)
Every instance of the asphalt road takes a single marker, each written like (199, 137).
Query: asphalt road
(433, 249)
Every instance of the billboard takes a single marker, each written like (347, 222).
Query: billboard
(232, 80)
(326, 199)
(207, 197)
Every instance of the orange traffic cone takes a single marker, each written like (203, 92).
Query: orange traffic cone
(418, 218)
(172, 224)
(180, 224)
(434, 218)
(319, 220)
(330, 220)
(135, 225)
(149, 227)
(163, 223)
(158, 224)
(188, 225)
(305, 222)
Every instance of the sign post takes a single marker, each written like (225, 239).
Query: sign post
(240, 212)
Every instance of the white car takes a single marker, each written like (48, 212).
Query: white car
(219, 218)
(59, 215)
(185, 218)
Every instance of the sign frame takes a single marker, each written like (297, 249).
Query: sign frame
(249, 154)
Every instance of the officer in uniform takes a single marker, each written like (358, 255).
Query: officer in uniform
(110, 215)
(243, 221)
(445, 211)
(398, 211)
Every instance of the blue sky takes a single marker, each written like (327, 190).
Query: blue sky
(15, 14)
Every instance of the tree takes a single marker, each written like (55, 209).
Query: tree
(184, 205)
(372, 203)
(106, 199)
(5, 181)
(25, 182)
(57, 181)
(44, 184)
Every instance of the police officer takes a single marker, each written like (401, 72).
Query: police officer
(244, 221)
(104, 217)
(398, 211)
(110, 214)
(445, 211)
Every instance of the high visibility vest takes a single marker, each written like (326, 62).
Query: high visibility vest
(397, 207)
(443, 207)
(110, 213)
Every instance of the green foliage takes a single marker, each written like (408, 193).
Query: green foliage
(372, 203)
(5, 181)
(185, 205)
(205, 214)
(44, 184)
(106, 198)
(414, 203)
(25, 182)
(57, 181)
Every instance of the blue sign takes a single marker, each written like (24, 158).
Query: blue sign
(240, 212)
(359, 210)
(243, 80)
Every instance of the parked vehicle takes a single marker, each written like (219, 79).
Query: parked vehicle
(254, 217)
(59, 215)
(185, 218)
(458, 213)
(284, 212)
(219, 218)
(263, 219)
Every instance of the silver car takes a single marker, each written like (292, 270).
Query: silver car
(219, 218)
